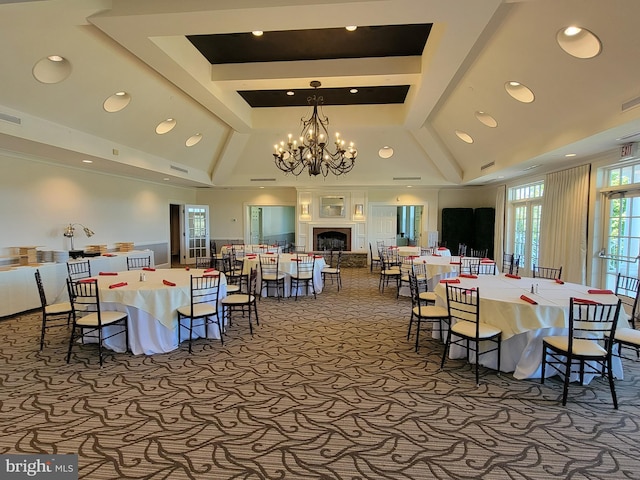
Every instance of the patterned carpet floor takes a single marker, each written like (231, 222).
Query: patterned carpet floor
(324, 389)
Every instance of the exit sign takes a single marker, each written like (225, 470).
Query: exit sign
(628, 150)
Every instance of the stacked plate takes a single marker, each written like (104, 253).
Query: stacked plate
(61, 256)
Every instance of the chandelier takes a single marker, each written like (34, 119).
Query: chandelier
(312, 151)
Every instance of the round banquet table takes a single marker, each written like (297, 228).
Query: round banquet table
(151, 307)
(288, 266)
(524, 325)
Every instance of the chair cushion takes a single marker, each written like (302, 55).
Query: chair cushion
(580, 346)
(199, 310)
(431, 311)
(330, 270)
(63, 307)
(468, 329)
(391, 271)
(628, 335)
(108, 317)
(427, 296)
(231, 288)
(238, 299)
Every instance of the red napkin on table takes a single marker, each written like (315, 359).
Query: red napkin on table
(452, 263)
(600, 292)
(209, 270)
(559, 281)
(309, 254)
(108, 273)
(87, 280)
(511, 275)
(450, 280)
(467, 275)
(436, 255)
(485, 259)
(168, 283)
(584, 300)
(295, 259)
(317, 256)
(269, 253)
(529, 300)
(116, 285)
(108, 255)
(442, 248)
(212, 274)
(149, 269)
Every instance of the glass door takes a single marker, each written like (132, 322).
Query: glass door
(196, 232)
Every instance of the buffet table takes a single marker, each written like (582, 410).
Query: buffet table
(524, 325)
(18, 291)
(151, 307)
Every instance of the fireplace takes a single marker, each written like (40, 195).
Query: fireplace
(332, 238)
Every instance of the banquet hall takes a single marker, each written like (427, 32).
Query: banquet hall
(506, 125)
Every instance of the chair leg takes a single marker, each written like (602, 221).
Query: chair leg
(477, 362)
(417, 333)
(567, 378)
(612, 386)
(544, 363)
(44, 323)
(447, 345)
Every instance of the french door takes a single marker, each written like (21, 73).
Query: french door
(525, 233)
(195, 224)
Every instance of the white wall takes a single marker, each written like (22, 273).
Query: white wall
(37, 200)
(278, 220)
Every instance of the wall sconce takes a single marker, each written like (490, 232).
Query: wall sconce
(359, 209)
(305, 208)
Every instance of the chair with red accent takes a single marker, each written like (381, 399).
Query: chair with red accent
(202, 310)
(303, 276)
(54, 314)
(138, 263)
(628, 291)
(245, 302)
(585, 349)
(423, 313)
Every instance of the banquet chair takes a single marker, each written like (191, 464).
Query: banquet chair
(423, 313)
(333, 270)
(420, 272)
(425, 251)
(258, 249)
(54, 314)
(79, 269)
(628, 291)
(585, 347)
(486, 268)
(202, 310)
(213, 248)
(303, 276)
(244, 302)
(479, 252)
(299, 249)
(469, 265)
(236, 279)
(462, 249)
(204, 262)
(547, 272)
(375, 259)
(89, 319)
(463, 306)
(138, 263)
(388, 270)
(270, 274)
(507, 263)
(406, 270)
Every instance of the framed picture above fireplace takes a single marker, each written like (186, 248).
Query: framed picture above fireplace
(332, 207)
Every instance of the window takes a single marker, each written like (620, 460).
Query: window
(523, 226)
(622, 222)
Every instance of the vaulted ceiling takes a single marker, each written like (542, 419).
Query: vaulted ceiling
(423, 70)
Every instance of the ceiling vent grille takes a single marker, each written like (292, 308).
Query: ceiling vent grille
(180, 169)
(403, 179)
(487, 165)
(10, 118)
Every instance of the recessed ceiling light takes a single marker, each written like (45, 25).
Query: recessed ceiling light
(260, 187)
(257, 33)
(52, 69)
(579, 42)
(500, 176)
(486, 119)
(353, 90)
(116, 102)
(166, 126)
(385, 152)
(531, 167)
(520, 92)
(87, 161)
(409, 186)
(166, 179)
(464, 136)
(193, 140)
(291, 93)
(570, 154)
(351, 28)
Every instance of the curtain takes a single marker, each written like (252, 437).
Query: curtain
(563, 226)
(498, 236)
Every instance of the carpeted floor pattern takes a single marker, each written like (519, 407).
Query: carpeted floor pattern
(324, 389)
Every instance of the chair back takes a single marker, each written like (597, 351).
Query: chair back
(213, 248)
(425, 251)
(507, 263)
(79, 269)
(628, 291)
(269, 265)
(43, 297)
(463, 304)
(469, 265)
(252, 285)
(138, 263)
(593, 321)
(479, 252)
(547, 272)
(486, 268)
(204, 262)
(304, 265)
(415, 290)
(389, 258)
(462, 249)
(84, 296)
(204, 290)
(259, 248)
(299, 249)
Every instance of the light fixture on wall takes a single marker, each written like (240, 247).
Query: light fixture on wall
(359, 209)
(70, 230)
(312, 152)
(305, 208)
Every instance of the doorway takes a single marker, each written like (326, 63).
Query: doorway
(268, 224)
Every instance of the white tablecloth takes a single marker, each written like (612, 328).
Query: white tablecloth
(524, 325)
(151, 307)
(251, 248)
(288, 267)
